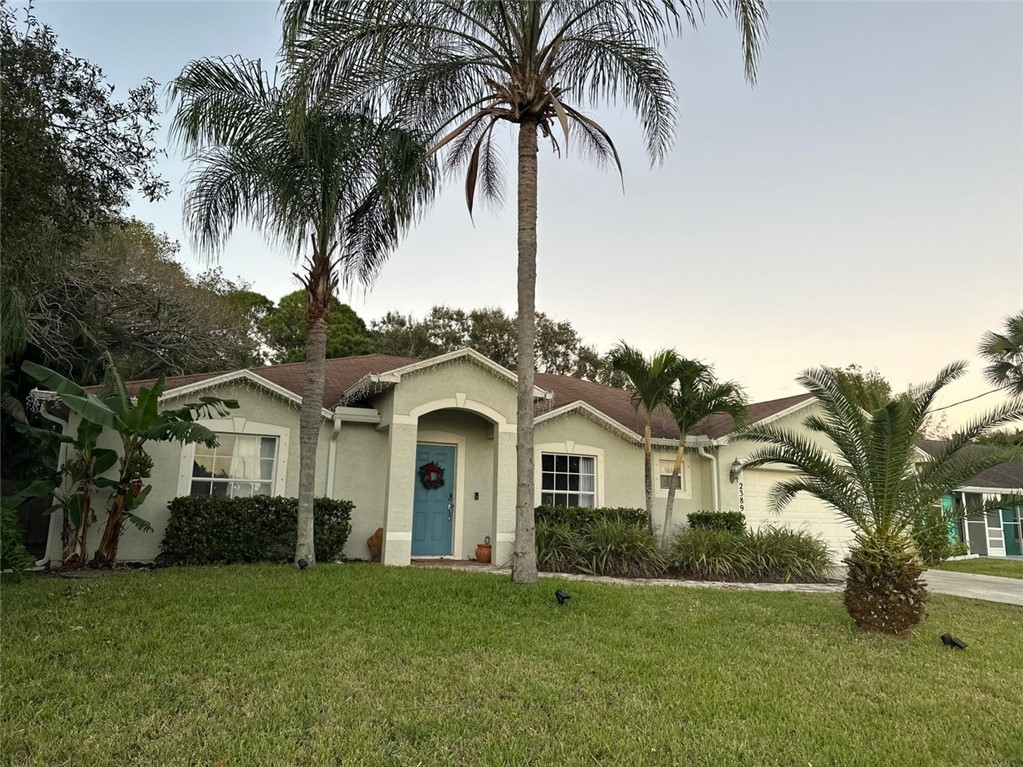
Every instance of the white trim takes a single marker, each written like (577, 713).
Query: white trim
(999, 491)
(356, 414)
(452, 403)
(811, 400)
(569, 448)
(393, 377)
(239, 426)
(457, 441)
(239, 375)
(587, 410)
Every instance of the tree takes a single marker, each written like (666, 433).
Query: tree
(870, 390)
(339, 185)
(696, 394)
(650, 384)
(137, 421)
(1004, 354)
(532, 63)
(878, 483)
(284, 329)
(71, 154)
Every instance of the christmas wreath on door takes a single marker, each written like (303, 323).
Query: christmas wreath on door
(431, 475)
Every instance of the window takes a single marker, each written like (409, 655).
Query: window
(568, 480)
(241, 466)
(665, 469)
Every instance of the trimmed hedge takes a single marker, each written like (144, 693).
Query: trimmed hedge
(729, 521)
(581, 519)
(204, 530)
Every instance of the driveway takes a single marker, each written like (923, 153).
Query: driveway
(986, 587)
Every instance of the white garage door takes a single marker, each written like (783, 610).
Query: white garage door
(804, 512)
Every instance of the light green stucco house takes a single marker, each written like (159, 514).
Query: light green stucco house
(386, 418)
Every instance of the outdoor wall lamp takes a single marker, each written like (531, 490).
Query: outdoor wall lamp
(734, 471)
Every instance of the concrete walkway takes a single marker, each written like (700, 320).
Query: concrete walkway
(987, 587)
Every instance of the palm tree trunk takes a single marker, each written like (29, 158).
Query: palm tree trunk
(524, 554)
(670, 505)
(309, 425)
(648, 475)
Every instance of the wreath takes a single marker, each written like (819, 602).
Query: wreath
(431, 475)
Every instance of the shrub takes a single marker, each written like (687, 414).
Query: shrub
(930, 534)
(13, 554)
(206, 530)
(731, 521)
(766, 555)
(580, 518)
(607, 546)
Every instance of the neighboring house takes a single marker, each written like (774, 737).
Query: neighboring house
(994, 533)
(384, 418)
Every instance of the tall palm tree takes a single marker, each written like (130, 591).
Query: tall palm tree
(463, 66)
(879, 482)
(339, 186)
(1004, 355)
(650, 386)
(696, 394)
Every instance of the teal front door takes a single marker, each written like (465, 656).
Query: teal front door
(433, 507)
(1011, 528)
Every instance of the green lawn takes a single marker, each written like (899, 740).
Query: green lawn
(358, 664)
(1005, 568)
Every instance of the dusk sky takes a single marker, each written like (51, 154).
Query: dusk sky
(862, 204)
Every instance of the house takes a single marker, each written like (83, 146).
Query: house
(385, 418)
(994, 533)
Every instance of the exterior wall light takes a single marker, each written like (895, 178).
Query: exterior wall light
(734, 471)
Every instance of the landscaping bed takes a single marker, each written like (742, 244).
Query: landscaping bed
(365, 665)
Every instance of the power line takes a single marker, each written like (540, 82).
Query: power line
(971, 399)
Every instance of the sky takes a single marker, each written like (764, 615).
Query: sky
(862, 204)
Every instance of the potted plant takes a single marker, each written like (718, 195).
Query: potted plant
(483, 551)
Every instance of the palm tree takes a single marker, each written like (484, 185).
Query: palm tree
(879, 482)
(1004, 354)
(650, 386)
(463, 66)
(696, 394)
(340, 186)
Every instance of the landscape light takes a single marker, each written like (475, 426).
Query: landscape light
(563, 596)
(950, 641)
(302, 564)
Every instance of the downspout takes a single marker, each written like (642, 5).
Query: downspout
(41, 564)
(332, 454)
(715, 480)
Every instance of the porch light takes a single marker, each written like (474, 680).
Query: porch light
(734, 471)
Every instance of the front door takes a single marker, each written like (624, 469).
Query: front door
(433, 507)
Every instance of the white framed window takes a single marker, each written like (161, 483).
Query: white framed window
(242, 465)
(664, 471)
(568, 480)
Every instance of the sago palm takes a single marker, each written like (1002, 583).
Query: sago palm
(650, 385)
(1004, 355)
(336, 186)
(462, 67)
(696, 394)
(878, 481)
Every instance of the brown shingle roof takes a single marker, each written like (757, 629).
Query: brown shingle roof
(343, 372)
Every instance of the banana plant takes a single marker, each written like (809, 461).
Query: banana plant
(137, 421)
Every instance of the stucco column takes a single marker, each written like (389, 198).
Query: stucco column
(401, 468)
(504, 494)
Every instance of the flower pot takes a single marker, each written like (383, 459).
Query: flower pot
(483, 553)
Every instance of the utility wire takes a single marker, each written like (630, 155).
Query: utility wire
(971, 399)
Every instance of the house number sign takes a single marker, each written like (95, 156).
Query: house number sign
(742, 500)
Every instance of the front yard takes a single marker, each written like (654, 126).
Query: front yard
(362, 665)
(1005, 568)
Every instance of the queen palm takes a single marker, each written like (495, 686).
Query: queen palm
(650, 385)
(695, 395)
(878, 481)
(463, 66)
(336, 186)
(1004, 355)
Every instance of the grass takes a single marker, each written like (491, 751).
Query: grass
(1004, 568)
(364, 665)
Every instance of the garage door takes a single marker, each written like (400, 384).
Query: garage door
(804, 512)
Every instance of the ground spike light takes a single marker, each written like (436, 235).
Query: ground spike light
(953, 642)
(562, 597)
